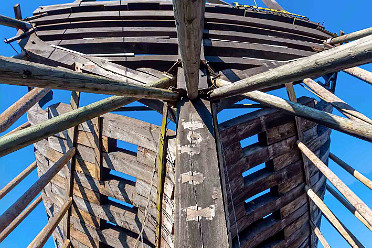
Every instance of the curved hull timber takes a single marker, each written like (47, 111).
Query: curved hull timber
(266, 202)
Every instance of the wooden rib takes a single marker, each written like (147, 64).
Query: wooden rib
(349, 37)
(45, 233)
(359, 205)
(342, 106)
(312, 66)
(14, 112)
(347, 204)
(351, 170)
(19, 218)
(345, 233)
(360, 73)
(19, 72)
(55, 125)
(16, 208)
(17, 180)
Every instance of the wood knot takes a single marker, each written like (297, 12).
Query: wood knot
(26, 73)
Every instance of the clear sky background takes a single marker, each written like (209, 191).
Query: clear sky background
(337, 15)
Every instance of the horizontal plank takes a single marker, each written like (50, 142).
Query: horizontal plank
(246, 125)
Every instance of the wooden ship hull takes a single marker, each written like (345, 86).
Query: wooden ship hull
(123, 198)
(237, 43)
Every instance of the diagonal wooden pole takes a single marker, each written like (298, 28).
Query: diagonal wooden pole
(345, 56)
(354, 200)
(354, 128)
(349, 37)
(360, 73)
(19, 72)
(14, 23)
(30, 135)
(14, 112)
(342, 106)
(16, 208)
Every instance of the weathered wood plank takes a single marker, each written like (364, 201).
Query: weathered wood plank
(196, 147)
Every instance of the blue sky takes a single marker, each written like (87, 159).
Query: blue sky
(337, 15)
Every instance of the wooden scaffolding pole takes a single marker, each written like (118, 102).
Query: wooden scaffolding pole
(348, 206)
(360, 73)
(16, 208)
(348, 55)
(44, 234)
(354, 128)
(359, 205)
(30, 135)
(17, 179)
(351, 170)
(336, 223)
(19, 72)
(19, 218)
(14, 112)
(189, 17)
(349, 37)
(14, 23)
(342, 106)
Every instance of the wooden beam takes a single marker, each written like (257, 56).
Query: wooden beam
(16, 208)
(345, 56)
(17, 180)
(30, 135)
(336, 223)
(348, 206)
(44, 234)
(342, 106)
(272, 4)
(198, 192)
(19, 72)
(359, 205)
(350, 37)
(351, 170)
(19, 218)
(14, 23)
(320, 236)
(17, 11)
(14, 112)
(189, 17)
(360, 73)
(357, 129)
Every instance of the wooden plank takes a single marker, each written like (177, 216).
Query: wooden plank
(196, 147)
(16, 208)
(303, 68)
